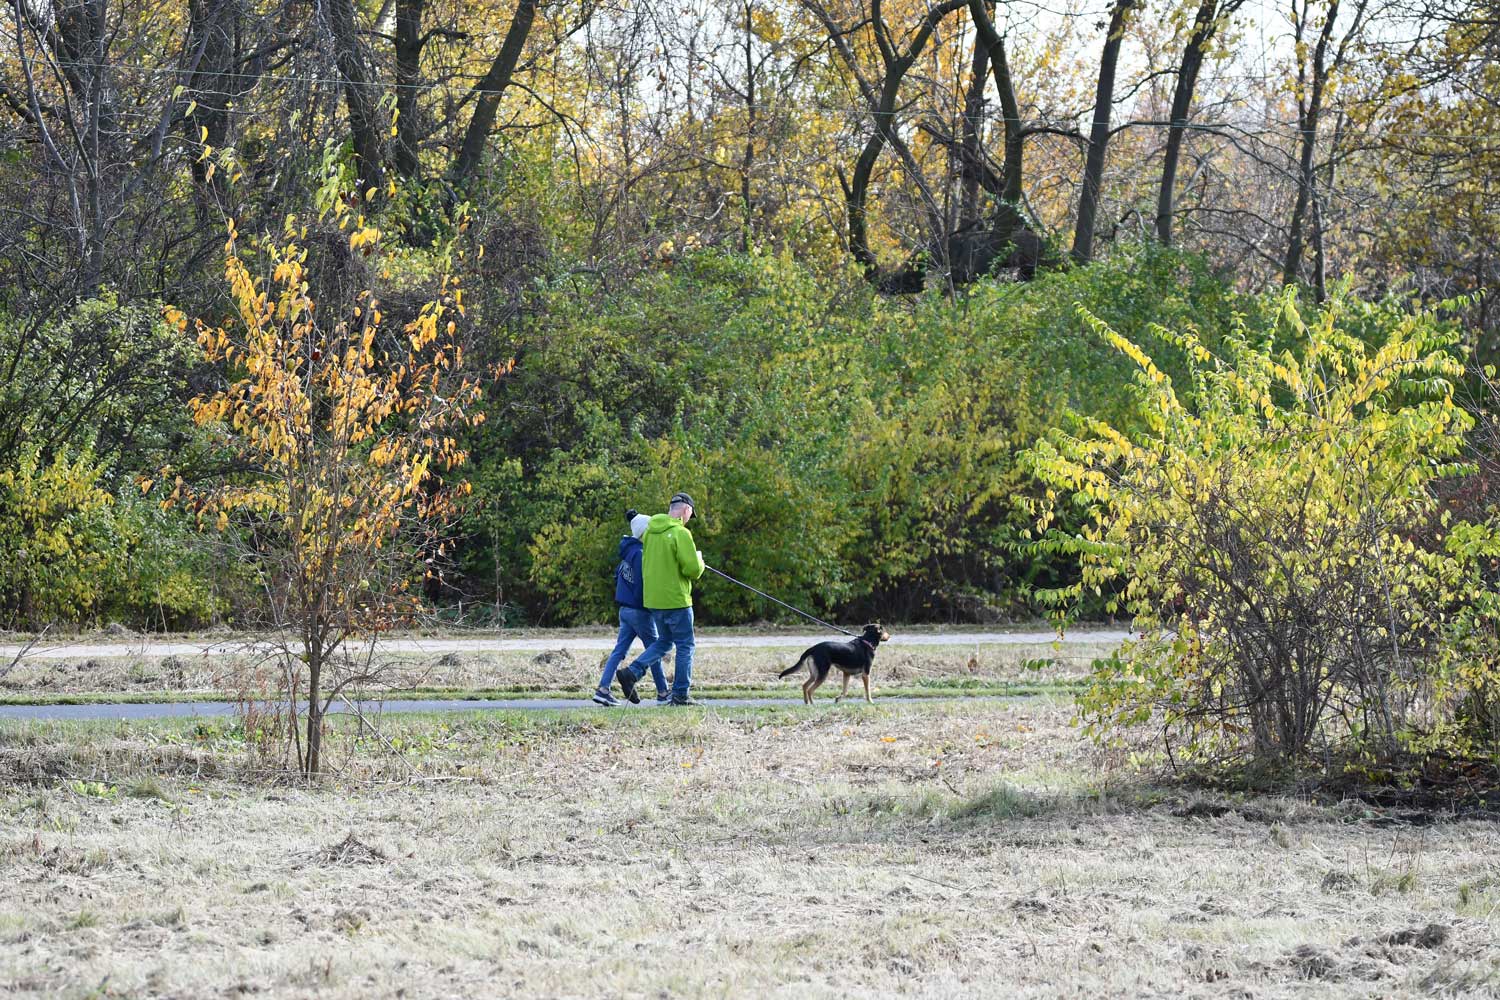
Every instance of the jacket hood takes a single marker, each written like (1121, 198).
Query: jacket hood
(627, 544)
(661, 523)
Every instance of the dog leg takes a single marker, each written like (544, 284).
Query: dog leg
(817, 682)
(807, 688)
(866, 678)
(843, 690)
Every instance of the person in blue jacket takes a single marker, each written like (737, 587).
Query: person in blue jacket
(635, 621)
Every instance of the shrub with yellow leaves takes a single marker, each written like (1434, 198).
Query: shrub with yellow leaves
(348, 431)
(1274, 532)
(57, 537)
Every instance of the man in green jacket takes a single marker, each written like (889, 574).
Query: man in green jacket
(669, 566)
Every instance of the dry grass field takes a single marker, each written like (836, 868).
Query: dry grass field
(964, 848)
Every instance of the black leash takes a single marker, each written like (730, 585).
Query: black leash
(784, 604)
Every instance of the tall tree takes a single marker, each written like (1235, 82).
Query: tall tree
(747, 159)
(1099, 133)
(880, 95)
(361, 91)
(1010, 109)
(1314, 69)
(971, 152)
(409, 42)
(1211, 15)
(488, 92)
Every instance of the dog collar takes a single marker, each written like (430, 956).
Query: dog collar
(867, 642)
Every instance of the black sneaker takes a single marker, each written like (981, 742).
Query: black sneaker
(688, 700)
(627, 684)
(603, 697)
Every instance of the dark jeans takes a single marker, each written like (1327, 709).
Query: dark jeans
(675, 628)
(634, 623)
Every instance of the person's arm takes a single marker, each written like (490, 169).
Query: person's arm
(688, 559)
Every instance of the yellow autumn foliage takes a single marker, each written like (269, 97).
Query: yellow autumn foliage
(1268, 534)
(345, 427)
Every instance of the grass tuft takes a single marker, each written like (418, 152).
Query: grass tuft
(147, 787)
(1002, 802)
(85, 918)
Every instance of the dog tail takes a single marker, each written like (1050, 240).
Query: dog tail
(789, 671)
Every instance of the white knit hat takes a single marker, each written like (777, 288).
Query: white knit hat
(638, 524)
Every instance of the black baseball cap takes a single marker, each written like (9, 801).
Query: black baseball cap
(681, 498)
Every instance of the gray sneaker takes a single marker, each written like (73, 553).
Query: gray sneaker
(603, 697)
(664, 698)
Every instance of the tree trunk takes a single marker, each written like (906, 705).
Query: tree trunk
(313, 762)
(408, 78)
(748, 160)
(858, 193)
(970, 157)
(1093, 167)
(1308, 113)
(884, 111)
(78, 36)
(360, 97)
(491, 89)
(213, 38)
(1205, 25)
(1010, 109)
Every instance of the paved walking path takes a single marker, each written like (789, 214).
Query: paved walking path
(148, 648)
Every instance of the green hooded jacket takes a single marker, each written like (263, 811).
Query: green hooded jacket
(669, 564)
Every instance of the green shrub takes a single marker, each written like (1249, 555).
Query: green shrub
(1264, 530)
(58, 545)
(1466, 681)
(852, 454)
(171, 578)
(72, 552)
(101, 376)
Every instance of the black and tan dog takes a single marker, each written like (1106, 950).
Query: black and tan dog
(853, 657)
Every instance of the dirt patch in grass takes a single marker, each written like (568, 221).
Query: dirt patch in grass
(960, 849)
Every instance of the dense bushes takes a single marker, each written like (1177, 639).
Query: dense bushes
(90, 400)
(1273, 526)
(70, 551)
(858, 455)
(850, 452)
(55, 543)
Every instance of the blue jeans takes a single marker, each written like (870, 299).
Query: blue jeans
(676, 629)
(634, 623)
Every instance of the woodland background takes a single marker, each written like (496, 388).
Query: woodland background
(818, 262)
